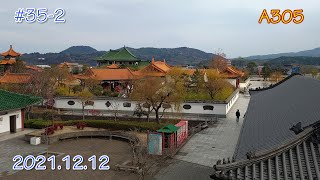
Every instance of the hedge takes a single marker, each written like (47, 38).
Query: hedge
(105, 124)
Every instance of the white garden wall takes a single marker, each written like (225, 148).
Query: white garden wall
(245, 84)
(199, 107)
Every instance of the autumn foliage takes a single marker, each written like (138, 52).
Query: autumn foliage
(157, 93)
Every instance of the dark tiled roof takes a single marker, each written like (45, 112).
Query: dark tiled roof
(272, 112)
(297, 159)
(10, 100)
(122, 54)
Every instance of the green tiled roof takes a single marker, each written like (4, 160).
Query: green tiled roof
(10, 100)
(170, 128)
(122, 54)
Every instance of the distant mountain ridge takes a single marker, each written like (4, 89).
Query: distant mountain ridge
(78, 50)
(87, 55)
(174, 56)
(307, 53)
(301, 60)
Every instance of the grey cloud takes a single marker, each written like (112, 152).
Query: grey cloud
(231, 25)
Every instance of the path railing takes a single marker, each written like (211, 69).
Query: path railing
(201, 126)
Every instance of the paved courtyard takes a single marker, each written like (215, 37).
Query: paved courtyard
(216, 142)
(118, 152)
(14, 144)
(14, 135)
(184, 170)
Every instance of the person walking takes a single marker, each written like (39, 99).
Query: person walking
(238, 115)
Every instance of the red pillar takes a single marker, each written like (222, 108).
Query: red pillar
(237, 82)
(22, 119)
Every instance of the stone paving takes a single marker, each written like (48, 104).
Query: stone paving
(216, 142)
(184, 170)
(11, 136)
(14, 144)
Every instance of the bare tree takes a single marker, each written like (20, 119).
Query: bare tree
(43, 83)
(115, 109)
(84, 98)
(140, 156)
(59, 74)
(276, 76)
(93, 86)
(19, 67)
(139, 110)
(219, 61)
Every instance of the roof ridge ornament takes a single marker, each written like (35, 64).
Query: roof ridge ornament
(297, 128)
(251, 155)
(316, 137)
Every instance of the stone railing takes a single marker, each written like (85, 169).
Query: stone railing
(83, 133)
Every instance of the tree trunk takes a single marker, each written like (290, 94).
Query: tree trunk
(148, 116)
(82, 112)
(211, 95)
(157, 116)
(28, 113)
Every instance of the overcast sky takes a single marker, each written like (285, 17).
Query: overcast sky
(208, 25)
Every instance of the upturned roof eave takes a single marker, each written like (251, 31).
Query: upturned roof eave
(112, 55)
(264, 155)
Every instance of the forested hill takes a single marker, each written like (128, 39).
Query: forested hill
(87, 54)
(78, 50)
(174, 56)
(308, 53)
(295, 60)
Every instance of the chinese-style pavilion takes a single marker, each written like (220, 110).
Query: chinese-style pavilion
(120, 56)
(10, 58)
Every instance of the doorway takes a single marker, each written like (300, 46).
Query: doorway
(13, 124)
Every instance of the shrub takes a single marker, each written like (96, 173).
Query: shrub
(28, 123)
(36, 124)
(47, 115)
(39, 124)
(114, 94)
(224, 93)
(63, 91)
(107, 92)
(49, 131)
(97, 91)
(104, 124)
(77, 89)
(81, 125)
